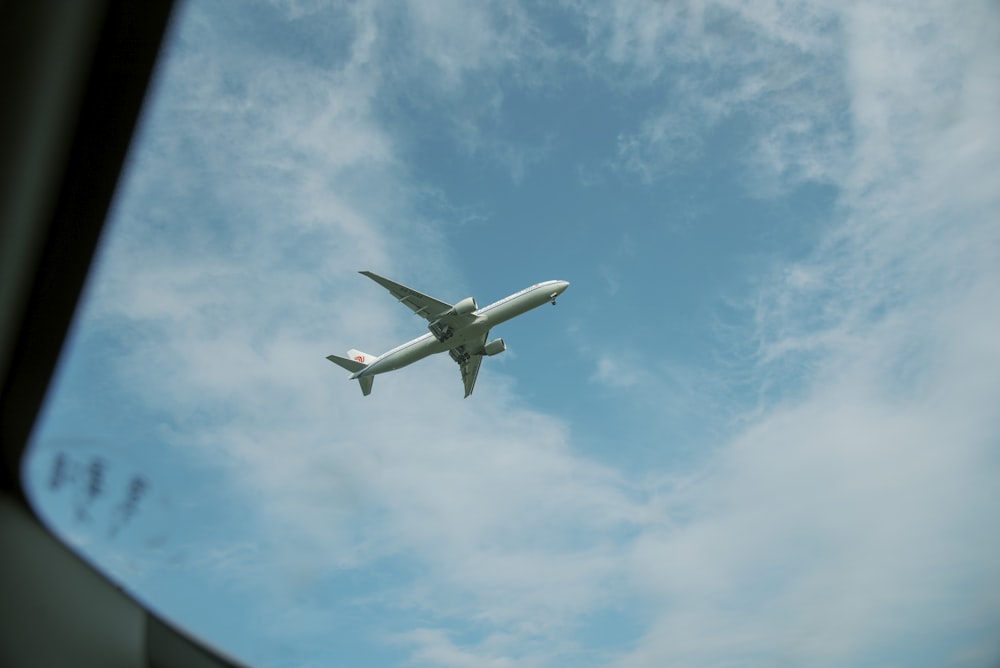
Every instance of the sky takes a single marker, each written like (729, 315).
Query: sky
(760, 428)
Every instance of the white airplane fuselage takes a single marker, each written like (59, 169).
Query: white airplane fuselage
(485, 319)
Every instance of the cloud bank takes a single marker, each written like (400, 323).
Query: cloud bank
(849, 514)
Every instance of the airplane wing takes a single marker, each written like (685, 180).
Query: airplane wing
(442, 319)
(468, 363)
(424, 306)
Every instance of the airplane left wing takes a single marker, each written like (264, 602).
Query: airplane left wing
(468, 363)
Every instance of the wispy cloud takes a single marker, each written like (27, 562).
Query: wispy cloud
(850, 512)
(883, 418)
(768, 79)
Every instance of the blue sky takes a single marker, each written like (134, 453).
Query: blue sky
(760, 428)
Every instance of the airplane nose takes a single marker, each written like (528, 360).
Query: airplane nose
(558, 287)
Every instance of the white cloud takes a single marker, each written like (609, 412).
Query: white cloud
(618, 370)
(776, 72)
(466, 58)
(433, 647)
(221, 328)
(460, 39)
(856, 513)
(839, 522)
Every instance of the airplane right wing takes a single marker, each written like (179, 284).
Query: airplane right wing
(424, 306)
(443, 319)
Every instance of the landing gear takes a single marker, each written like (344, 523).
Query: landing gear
(460, 355)
(441, 333)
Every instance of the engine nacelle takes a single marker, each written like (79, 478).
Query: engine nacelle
(494, 347)
(467, 305)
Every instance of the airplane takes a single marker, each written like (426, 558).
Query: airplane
(462, 329)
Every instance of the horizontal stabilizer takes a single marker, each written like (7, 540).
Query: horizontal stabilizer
(366, 384)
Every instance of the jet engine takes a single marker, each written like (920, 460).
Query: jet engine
(467, 305)
(494, 347)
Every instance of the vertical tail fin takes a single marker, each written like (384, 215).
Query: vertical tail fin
(357, 362)
(363, 358)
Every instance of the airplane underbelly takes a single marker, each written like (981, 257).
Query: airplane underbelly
(400, 358)
(505, 312)
(470, 334)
